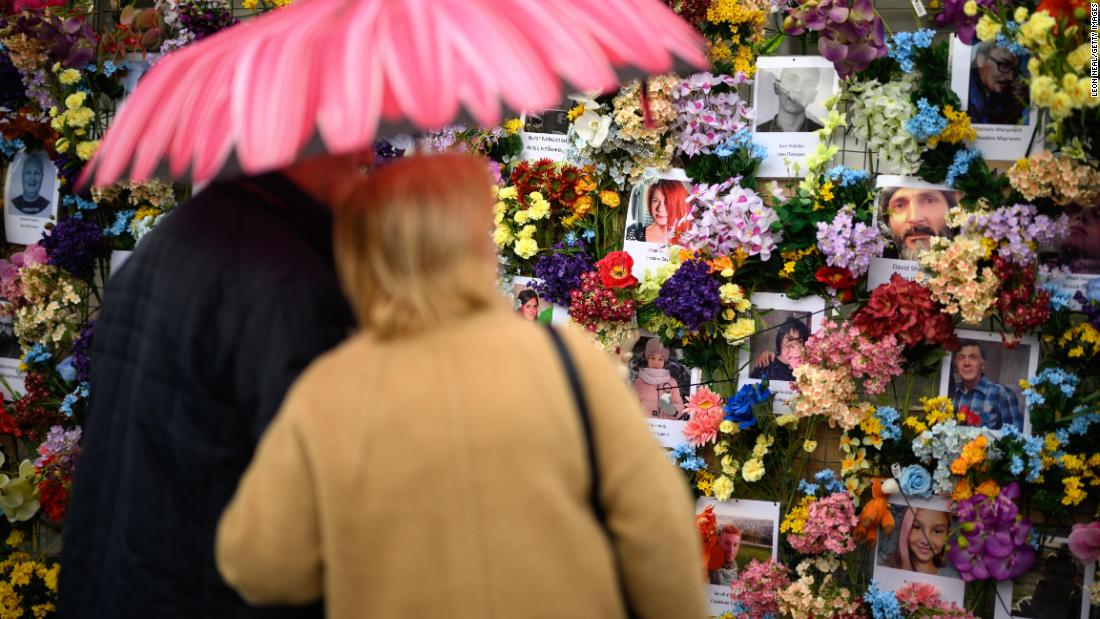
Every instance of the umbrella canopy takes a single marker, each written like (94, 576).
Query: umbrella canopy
(333, 75)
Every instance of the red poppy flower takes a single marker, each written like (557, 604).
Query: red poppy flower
(615, 270)
(839, 279)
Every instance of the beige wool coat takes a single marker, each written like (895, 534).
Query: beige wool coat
(444, 475)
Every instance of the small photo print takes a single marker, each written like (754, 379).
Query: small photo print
(656, 217)
(746, 530)
(983, 377)
(787, 324)
(991, 83)
(910, 212)
(1078, 253)
(9, 344)
(1056, 588)
(31, 192)
(660, 378)
(527, 302)
(916, 550)
(10, 355)
(789, 96)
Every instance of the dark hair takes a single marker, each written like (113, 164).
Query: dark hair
(35, 158)
(888, 192)
(526, 295)
(967, 343)
(792, 324)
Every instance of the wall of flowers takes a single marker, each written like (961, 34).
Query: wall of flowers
(856, 289)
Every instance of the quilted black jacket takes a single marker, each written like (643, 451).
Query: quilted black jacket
(200, 335)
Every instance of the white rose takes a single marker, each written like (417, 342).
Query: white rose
(592, 128)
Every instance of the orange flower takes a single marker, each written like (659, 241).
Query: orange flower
(609, 199)
(962, 491)
(721, 263)
(989, 488)
(582, 206)
(586, 185)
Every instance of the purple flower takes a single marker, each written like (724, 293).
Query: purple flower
(706, 118)
(690, 295)
(727, 217)
(560, 274)
(82, 348)
(1018, 229)
(848, 244)
(954, 16)
(73, 245)
(992, 542)
(851, 34)
(205, 18)
(61, 444)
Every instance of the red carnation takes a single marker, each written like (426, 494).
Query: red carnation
(615, 270)
(839, 279)
(906, 310)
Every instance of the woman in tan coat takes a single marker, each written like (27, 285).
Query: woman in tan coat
(435, 464)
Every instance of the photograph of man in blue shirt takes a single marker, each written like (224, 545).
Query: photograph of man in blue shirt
(995, 403)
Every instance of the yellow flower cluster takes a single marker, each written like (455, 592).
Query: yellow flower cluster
(512, 126)
(958, 128)
(507, 208)
(1081, 341)
(722, 488)
(973, 453)
(791, 258)
(936, 411)
(73, 122)
(704, 481)
(795, 520)
(575, 112)
(261, 6)
(1085, 473)
(872, 431)
(20, 571)
(824, 195)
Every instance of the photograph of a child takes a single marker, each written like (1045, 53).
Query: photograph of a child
(1080, 251)
(660, 378)
(983, 376)
(916, 549)
(918, 542)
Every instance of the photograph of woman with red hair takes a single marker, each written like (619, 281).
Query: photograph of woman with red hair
(665, 209)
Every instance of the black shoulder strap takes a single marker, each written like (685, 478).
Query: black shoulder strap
(590, 449)
(586, 421)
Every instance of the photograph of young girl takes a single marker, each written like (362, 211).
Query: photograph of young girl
(529, 304)
(916, 550)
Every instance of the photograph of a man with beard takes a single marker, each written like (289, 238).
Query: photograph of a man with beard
(794, 90)
(998, 94)
(913, 215)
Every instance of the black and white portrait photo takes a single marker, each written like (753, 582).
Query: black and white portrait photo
(789, 96)
(30, 196)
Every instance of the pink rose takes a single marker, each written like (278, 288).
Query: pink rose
(1084, 541)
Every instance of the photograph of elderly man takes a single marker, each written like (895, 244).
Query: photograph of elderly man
(998, 94)
(915, 215)
(794, 90)
(995, 403)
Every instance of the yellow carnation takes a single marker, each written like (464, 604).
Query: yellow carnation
(739, 330)
(526, 248)
(69, 77)
(75, 100)
(85, 150)
(970, 8)
(521, 217)
(1020, 15)
(506, 193)
(502, 236)
(987, 28)
(809, 446)
(727, 427)
(527, 232)
(539, 208)
(512, 126)
(722, 488)
(753, 470)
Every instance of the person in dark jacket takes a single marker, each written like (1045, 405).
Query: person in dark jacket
(200, 335)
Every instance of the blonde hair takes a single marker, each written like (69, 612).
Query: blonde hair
(412, 243)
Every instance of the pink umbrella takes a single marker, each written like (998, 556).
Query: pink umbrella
(333, 75)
